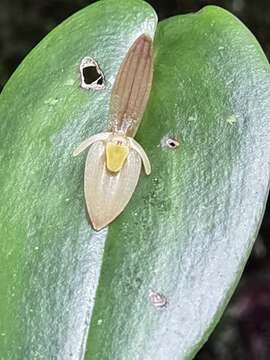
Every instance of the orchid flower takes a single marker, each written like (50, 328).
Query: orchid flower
(114, 159)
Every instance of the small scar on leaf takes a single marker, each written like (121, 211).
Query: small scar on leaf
(92, 76)
(172, 143)
(231, 119)
(157, 299)
(169, 142)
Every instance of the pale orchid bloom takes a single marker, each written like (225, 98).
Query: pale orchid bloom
(114, 159)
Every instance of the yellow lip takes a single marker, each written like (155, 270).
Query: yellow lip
(116, 156)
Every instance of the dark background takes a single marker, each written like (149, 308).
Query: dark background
(244, 331)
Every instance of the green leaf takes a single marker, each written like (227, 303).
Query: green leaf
(188, 229)
(50, 257)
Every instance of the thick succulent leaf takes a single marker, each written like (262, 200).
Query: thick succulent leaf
(49, 255)
(189, 227)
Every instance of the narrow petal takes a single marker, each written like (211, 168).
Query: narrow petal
(107, 194)
(86, 143)
(137, 147)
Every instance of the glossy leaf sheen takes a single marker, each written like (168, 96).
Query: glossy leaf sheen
(190, 225)
(49, 256)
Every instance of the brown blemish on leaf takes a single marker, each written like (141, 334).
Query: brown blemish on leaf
(157, 299)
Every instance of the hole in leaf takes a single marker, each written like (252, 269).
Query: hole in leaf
(91, 75)
(172, 143)
(100, 81)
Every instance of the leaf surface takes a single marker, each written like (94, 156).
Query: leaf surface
(189, 228)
